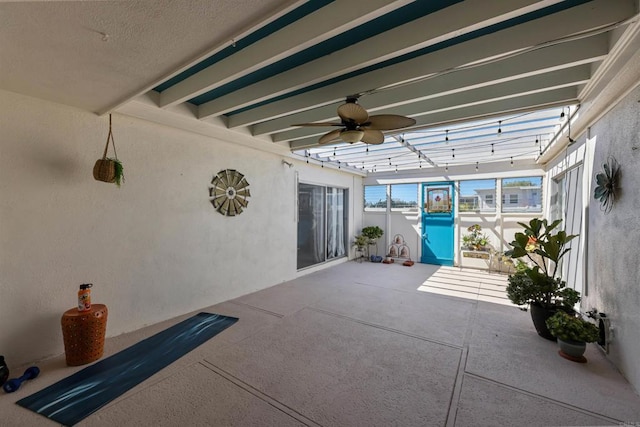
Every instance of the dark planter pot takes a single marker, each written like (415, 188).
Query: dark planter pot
(539, 315)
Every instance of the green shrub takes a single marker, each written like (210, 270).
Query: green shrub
(572, 328)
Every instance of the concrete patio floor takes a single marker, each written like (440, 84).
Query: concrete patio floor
(363, 344)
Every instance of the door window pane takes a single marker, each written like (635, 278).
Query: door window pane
(438, 200)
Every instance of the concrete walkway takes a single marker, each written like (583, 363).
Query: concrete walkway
(363, 344)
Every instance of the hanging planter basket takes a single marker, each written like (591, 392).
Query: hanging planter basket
(109, 169)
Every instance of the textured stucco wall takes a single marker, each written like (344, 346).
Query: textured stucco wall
(154, 248)
(613, 245)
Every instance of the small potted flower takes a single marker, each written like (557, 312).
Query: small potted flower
(573, 334)
(476, 240)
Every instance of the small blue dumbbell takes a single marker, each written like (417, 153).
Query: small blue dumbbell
(15, 383)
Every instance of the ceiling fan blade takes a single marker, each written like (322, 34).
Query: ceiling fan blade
(388, 122)
(353, 112)
(372, 136)
(334, 135)
(319, 124)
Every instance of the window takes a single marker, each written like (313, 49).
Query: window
(322, 224)
(404, 196)
(477, 195)
(375, 197)
(522, 194)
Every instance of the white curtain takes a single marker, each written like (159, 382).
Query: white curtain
(335, 223)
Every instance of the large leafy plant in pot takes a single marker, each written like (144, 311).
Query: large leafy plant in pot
(373, 233)
(538, 285)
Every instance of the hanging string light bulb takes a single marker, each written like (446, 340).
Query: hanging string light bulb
(389, 161)
(499, 127)
(453, 153)
(420, 163)
(492, 151)
(476, 166)
(396, 169)
(537, 139)
(306, 154)
(322, 164)
(562, 114)
(367, 150)
(334, 151)
(446, 136)
(446, 167)
(511, 161)
(338, 164)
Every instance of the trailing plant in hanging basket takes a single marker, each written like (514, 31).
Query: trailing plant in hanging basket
(607, 184)
(109, 169)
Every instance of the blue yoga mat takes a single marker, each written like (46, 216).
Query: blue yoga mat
(74, 398)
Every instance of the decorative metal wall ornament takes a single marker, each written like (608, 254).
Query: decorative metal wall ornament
(607, 184)
(228, 192)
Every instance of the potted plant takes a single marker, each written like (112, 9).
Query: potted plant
(373, 233)
(537, 285)
(109, 169)
(361, 243)
(475, 240)
(573, 334)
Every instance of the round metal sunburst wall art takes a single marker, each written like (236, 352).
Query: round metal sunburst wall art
(607, 184)
(228, 192)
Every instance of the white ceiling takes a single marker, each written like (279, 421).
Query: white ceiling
(468, 67)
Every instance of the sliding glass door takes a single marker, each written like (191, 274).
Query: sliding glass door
(322, 224)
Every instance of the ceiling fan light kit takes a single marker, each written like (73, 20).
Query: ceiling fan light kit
(351, 136)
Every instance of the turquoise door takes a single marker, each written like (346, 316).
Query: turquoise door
(437, 223)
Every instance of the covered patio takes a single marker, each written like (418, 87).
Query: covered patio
(365, 344)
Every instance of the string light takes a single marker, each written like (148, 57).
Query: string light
(367, 150)
(446, 167)
(396, 169)
(512, 162)
(476, 166)
(334, 151)
(446, 137)
(322, 164)
(453, 153)
(338, 164)
(562, 114)
(537, 139)
(499, 127)
(389, 161)
(306, 154)
(492, 151)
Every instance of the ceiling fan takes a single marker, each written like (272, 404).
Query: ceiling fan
(357, 125)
